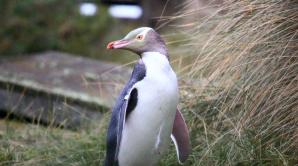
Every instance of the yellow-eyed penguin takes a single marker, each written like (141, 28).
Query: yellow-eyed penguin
(145, 116)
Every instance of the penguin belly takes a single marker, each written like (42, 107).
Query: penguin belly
(147, 130)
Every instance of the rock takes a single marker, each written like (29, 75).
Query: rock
(58, 88)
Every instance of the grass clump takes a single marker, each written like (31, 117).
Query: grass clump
(240, 93)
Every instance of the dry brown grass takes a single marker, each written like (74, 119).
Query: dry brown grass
(243, 82)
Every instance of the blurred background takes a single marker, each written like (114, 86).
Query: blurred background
(236, 62)
(78, 27)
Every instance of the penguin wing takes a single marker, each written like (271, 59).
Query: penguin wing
(180, 137)
(125, 104)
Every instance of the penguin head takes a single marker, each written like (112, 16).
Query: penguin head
(140, 40)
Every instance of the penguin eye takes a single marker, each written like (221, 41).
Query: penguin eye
(139, 37)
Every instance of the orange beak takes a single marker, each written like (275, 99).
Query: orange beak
(117, 44)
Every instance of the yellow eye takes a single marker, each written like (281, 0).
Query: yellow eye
(139, 37)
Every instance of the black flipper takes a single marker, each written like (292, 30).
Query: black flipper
(126, 103)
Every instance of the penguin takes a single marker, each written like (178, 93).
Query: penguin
(145, 117)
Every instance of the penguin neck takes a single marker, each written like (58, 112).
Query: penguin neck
(155, 61)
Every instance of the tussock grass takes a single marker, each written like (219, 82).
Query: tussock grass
(240, 92)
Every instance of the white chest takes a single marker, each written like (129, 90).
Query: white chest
(146, 133)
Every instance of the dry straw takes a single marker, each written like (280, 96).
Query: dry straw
(244, 77)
